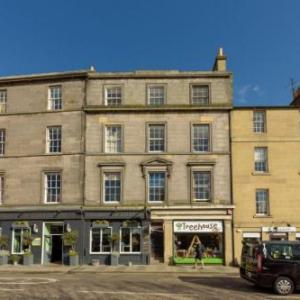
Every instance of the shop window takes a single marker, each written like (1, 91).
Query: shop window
(185, 244)
(100, 240)
(18, 246)
(130, 240)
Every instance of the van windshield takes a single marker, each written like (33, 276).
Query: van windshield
(283, 252)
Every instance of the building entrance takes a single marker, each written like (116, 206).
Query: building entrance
(53, 243)
(157, 242)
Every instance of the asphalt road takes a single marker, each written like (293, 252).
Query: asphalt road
(144, 286)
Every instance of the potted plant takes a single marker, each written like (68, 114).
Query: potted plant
(130, 223)
(3, 250)
(100, 224)
(114, 257)
(21, 224)
(70, 240)
(27, 242)
(15, 259)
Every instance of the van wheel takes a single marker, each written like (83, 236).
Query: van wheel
(283, 286)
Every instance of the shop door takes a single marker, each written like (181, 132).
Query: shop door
(157, 243)
(53, 244)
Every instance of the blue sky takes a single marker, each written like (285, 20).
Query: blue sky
(260, 37)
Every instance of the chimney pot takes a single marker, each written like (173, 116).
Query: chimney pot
(220, 61)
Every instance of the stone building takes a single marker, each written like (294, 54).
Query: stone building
(265, 174)
(137, 162)
(157, 147)
(42, 159)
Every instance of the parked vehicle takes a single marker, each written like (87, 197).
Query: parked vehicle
(272, 264)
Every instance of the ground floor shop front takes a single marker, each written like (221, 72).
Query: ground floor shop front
(182, 230)
(266, 232)
(105, 237)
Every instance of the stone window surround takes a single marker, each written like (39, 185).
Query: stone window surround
(208, 84)
(49, 99)
(43, 187)
(265, 121)
(48, 139)
(205, 166)
(148, 124)
(113, 85)
(113, 167)
(105, 125)
(210, 146)
(149, 85)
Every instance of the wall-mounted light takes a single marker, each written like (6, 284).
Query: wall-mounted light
(35, 228)
(68, 227)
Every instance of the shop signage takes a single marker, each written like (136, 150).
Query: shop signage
(198, 226)
(36, 241)
(279, 229)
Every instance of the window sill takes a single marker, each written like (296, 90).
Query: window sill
(262, 216)
(261, 173)
(52, 203)
(131, 253)
(112, 202)
(100, 253)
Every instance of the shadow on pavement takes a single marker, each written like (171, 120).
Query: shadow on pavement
(226, 283)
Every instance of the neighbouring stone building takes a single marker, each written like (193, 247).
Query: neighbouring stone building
(265, 174)
(41, 160)
(137, 162)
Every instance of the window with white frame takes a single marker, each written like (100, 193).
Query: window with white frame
(112, 187)
(130, 240)
(113, 139)
(262, 201)
(1, 188)
(156, 95)
(259, 121)
(201, 137)
(54, 139)
(156, 137)
(3, 100)
(52, 186)
(261, 159)
(156, 186)
(18, 246)
(100, 240)
(113, 96)
(200, 94)
(55, 97)
(2, 141)
(201, 188)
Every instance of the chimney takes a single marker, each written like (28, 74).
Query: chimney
(296, 98)
(92, 69)
(220, 62)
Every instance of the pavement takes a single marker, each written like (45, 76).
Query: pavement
(157, 268)
(133, 286)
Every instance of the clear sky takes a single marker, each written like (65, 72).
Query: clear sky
(260, 37)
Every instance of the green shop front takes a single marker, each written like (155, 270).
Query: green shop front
(186, 234)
